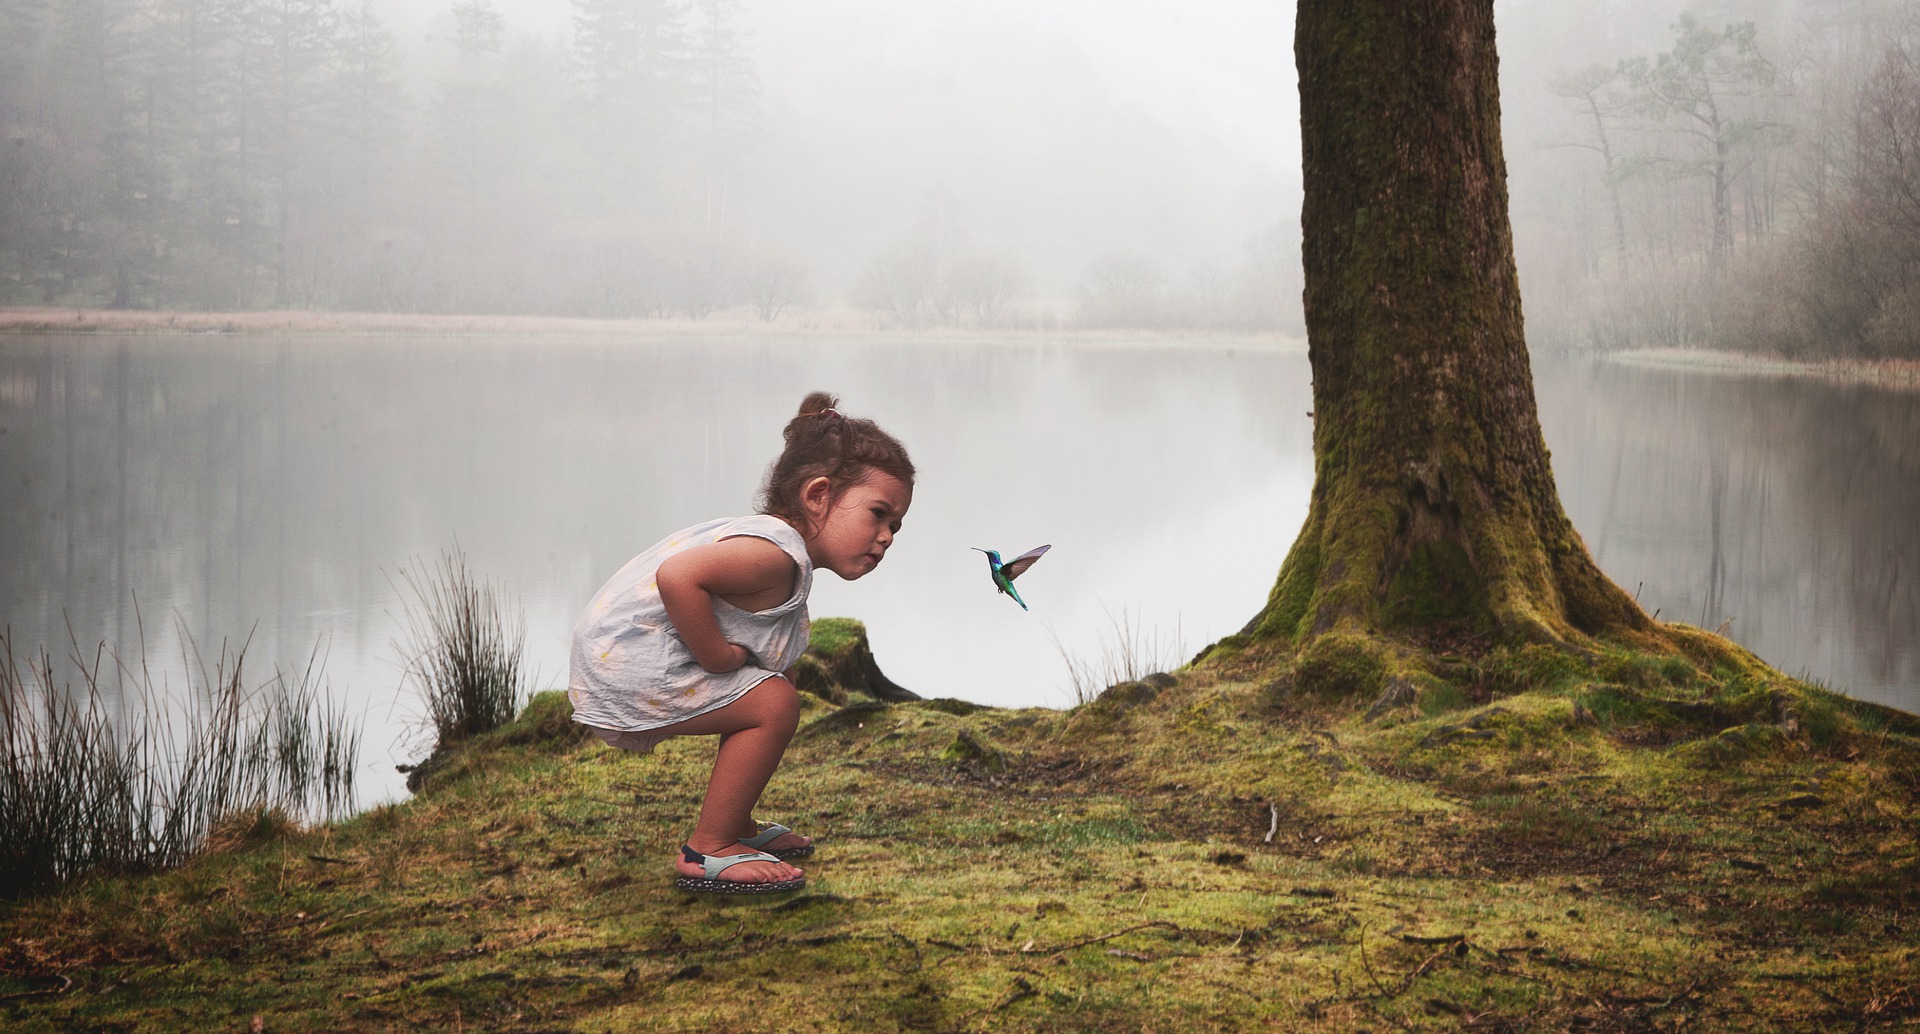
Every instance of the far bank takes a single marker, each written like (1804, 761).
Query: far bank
(811, 324)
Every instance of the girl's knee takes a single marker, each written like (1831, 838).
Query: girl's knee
(783, 705)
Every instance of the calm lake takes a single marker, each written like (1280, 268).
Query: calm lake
(277, 487)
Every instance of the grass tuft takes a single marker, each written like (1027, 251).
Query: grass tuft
(464, 649)
(1127, 652)
(115, 775)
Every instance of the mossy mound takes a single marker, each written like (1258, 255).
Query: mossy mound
(839, 667)
(967, 750)
(1342, 667)
(1619, 845)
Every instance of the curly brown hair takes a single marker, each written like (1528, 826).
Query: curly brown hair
(823, 442)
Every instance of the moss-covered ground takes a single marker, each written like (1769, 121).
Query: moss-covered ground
(1616, 845)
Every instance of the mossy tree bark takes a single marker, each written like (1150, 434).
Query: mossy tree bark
(1433, 503)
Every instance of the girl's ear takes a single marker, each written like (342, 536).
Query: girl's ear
(816, 497)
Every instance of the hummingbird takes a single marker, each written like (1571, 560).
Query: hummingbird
(1005, 573)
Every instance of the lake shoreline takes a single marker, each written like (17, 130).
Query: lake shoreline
(808, 325)
(1899, 374)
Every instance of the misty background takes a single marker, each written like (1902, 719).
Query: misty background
(1736, 174)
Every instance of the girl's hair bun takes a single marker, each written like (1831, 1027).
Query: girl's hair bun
(840, 448)
(817, 402)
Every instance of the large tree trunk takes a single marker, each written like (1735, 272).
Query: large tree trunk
(1434, 508)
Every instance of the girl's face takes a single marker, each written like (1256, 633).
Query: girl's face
(855, 530)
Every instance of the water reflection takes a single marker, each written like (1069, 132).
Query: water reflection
(238, 481)
(229, 482)
(1781, 509)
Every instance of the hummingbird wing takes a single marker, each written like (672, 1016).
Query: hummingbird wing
(1018, 565)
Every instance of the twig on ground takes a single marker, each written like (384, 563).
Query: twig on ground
(1108, 937)
(1395, 1020)
(911, 943)
(1021, 989)
(66, 983)
(1274, 825)
(1368, 963)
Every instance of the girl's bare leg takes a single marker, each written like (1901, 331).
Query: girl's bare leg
(754, 731)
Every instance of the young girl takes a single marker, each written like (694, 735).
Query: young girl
(693, 636)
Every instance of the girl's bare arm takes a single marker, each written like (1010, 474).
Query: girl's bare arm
(740, 569)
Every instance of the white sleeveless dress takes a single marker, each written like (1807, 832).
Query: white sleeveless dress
(630, 672)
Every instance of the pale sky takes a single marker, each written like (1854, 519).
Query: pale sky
(1227, 62)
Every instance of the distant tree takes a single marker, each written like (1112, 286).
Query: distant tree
(1703, 90)
(74, 130)
(23, 231)
(367, 113)
(931, 276)
(725, 92)
(1122, 289)
(190, 124)
(470, 151)
(466, 135)
(1886, 177)
(903, 283)
(1209, 293)
(773, 282)
(290, 46)
(632, 57)
(980, 289)
(700, 278)
(1856, 278)
(368, 105)
(1268, 289)
(1593, 93)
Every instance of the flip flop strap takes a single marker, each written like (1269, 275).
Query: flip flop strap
(717, 864)
(766, 836)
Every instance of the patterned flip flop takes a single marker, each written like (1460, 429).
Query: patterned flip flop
(717, 864)
(772, 832)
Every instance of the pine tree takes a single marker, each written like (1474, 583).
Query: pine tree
(725, 90)
(288, 51)
(634, 71)
(366, 112)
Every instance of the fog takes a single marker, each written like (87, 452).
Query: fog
(1033, 172)
(1053, 133)
(845, 162)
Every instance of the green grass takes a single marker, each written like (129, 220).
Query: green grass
(833, 636)
(1518, 864)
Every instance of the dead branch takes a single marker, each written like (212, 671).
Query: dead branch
(1108, 937)
(66, 983)
(912, 945)
(1445, 939)
(1021, 989)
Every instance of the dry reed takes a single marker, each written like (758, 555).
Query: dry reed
(463, 651)
(115, 775)
(1127, 651)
